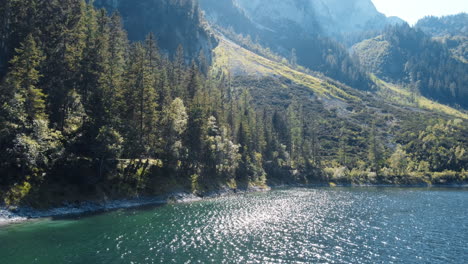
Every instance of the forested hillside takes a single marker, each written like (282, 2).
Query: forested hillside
(408, 56)
(452, 31)
(86, 110)
(445, 26)
(86, 113)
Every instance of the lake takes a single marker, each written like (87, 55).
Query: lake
(293, 225)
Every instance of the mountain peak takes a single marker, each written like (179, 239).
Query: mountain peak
(334, 16)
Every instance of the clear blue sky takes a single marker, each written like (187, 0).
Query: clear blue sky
(412, 10)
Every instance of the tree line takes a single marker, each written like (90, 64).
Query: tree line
(83, 108)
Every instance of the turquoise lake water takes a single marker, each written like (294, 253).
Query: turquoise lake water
(294, 225)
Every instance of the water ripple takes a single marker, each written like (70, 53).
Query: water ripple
(342, 225)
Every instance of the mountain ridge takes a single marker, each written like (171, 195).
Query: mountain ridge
(334, 17)
(450, 25)
(407, 55)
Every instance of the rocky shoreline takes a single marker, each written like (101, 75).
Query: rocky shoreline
(21, 214)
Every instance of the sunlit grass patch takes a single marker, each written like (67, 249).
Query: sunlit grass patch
(402, 96)
(233, 58)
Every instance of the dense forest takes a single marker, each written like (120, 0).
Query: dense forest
(85, 113)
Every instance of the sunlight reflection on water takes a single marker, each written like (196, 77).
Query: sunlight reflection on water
(324, 225)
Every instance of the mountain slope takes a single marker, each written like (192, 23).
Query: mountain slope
(458, 46)
(407, 55)
(446, 25)
(173, 22)
(334, 17)
(452, 31)
(301, 43)
(342, 118)
(241, 62)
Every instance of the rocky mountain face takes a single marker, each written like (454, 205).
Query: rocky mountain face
(173, 22)
(327, 17)
(289, 28)
(310, 29)
(228, 14)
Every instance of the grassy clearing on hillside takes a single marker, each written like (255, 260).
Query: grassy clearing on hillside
(238, 60)
(402, 96)
(231, 57)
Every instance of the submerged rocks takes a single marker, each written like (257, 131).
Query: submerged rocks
(10, 215)
(18, 214)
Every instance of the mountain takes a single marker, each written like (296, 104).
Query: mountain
(407, 55)
(341, 117)
(227, 13)
(458, 46)
(173, 22)
(333, 17)
(452, 31)
(444, 26)
(302, 44)
(330, 18)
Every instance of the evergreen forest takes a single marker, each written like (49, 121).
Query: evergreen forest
(87, 113)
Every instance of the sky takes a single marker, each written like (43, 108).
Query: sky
(413, 10)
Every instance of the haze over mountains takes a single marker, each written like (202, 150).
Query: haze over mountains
(328, 17)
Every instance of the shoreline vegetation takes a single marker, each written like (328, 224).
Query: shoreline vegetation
(20, 214)
(89, 114)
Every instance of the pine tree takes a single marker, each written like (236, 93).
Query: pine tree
(194, 83)
(21, 88)
(92, 57)
(29, 146)
(374, 153)
(63, 38)
(314, 143)
(117, 55)
(178, 73)
(151, 98)
(203, 64)
(18, 19)
(343, 143)
(165, 93)
(295, 122)
(196, 133)
(141, 93)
